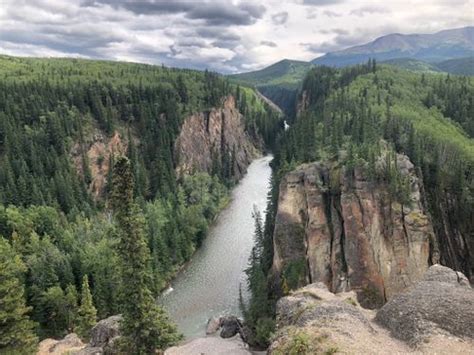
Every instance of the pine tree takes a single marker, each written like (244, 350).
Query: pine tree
(72, 309)
(16, 329)
(87, 316)
(145, 327)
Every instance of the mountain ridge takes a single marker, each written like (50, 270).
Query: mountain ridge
(433, 47)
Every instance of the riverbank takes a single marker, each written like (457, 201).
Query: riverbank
(209, 284)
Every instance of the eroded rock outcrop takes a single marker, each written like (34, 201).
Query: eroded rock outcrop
(95, 155)
(346, 231)
(211, 140)
(434, 317)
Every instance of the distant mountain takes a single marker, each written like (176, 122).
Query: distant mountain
(285, 72)
(436, 47)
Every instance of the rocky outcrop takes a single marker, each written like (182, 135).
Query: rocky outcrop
(442, 302)
(104, 337)
(95, 154)
(106, 333)
(313, 320)
(215, 140)
(67, 345)
(342, 229)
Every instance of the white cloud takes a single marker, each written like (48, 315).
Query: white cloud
(216, 34)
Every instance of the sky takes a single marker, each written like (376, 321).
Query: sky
(225, 36)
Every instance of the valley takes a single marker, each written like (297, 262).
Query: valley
(309, 207)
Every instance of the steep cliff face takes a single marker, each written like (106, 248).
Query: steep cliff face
(95, 155)
(215, 140)
(344, 230)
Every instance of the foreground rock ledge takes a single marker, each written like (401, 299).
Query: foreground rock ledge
(211, 345)
(436, 316)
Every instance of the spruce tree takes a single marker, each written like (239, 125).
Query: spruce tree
(16, 329)
(87, 313)
(71, 307)
(145, 327)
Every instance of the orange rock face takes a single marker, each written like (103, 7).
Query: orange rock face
(206, 136)
(98, 152)
(346, 231)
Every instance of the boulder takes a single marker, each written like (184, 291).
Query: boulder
(51, 347)
(312, 320)
(231, 326)
(213, 325)
(441, 302)
(105, 331)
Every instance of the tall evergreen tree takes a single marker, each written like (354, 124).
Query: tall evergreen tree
(16, 329)
(72, 309)
(87, 312)
(145, 326)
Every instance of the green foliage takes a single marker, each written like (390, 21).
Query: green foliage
(71, 307)
(51, 111)
(58, 252)
(459, 66)
(144, 327)
(286, 72)
(54, 311)
(87, 314)
(298, 344)
(361, 117)
(16, 329)
(259, 311)
(279, 82)
(294, 274)
(428, 117)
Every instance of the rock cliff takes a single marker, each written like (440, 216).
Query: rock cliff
(95, 154)
(215, 140)
(344, 230)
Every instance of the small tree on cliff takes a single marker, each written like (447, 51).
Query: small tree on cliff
(16, 329)
(145, 327)
(87, 312)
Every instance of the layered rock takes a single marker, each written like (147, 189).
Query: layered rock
(346, 231)
(210, 140)
(434, 317)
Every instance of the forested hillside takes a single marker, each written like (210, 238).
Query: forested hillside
(279, 82)
(347, 119)
(53, 113)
